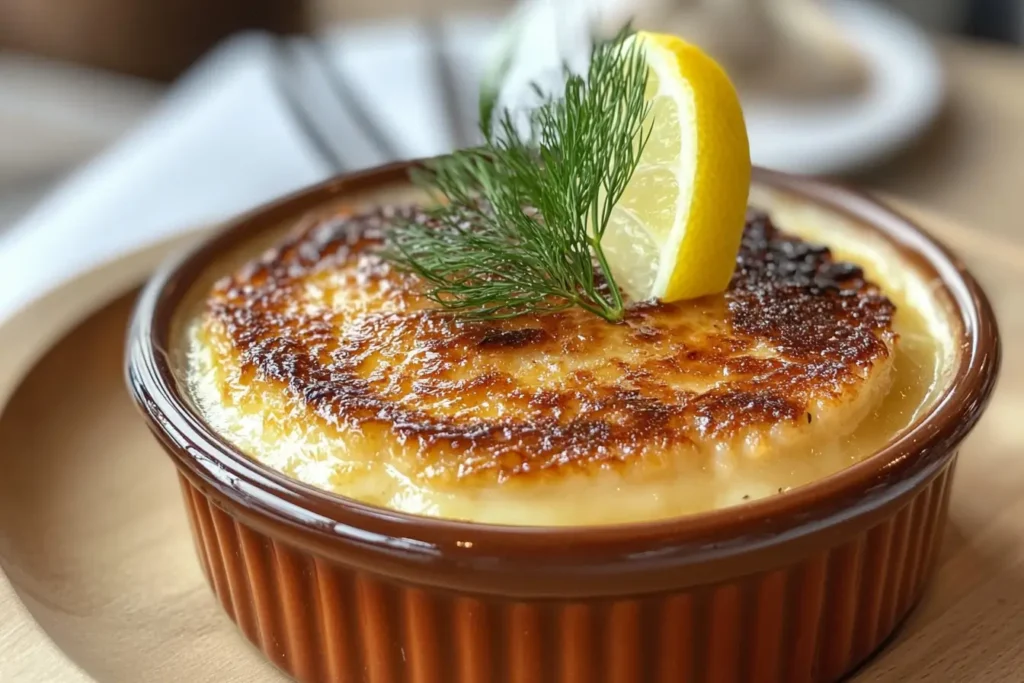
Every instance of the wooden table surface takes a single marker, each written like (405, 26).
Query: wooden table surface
(969, 169)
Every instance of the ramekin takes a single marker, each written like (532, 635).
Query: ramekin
(796, 588)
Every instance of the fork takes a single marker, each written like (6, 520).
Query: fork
(336, 117)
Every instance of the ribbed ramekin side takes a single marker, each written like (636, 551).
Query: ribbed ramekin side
(807, 622)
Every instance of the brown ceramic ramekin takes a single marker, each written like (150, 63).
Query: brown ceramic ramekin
(792, 588)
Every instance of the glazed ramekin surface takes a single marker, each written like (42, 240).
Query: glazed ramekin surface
(813, 618)
(797, 588)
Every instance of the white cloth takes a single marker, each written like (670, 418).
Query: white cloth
(218, 144)
(223, 141)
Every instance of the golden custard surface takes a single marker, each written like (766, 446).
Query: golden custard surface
(322, 361)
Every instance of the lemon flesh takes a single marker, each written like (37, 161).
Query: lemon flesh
(675, 232)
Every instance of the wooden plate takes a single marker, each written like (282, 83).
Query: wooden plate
(126, 601)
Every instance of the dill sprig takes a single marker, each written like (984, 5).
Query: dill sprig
(517, 222)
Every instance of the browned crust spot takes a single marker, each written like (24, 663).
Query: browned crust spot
(825, 324)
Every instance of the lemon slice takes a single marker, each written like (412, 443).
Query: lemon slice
(675, 231)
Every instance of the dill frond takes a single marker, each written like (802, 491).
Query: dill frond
(518, 221)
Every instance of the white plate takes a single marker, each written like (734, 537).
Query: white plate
(905, 96)
(389, 63)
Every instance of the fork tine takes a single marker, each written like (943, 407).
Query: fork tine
(350, 100)
(284, 59)
(444, 75)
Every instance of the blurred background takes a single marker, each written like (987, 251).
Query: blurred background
(122, 121)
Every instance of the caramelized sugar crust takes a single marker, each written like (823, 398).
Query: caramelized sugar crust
(353, 346)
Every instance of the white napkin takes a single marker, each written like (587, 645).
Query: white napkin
(224, 141)
(219, 143)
